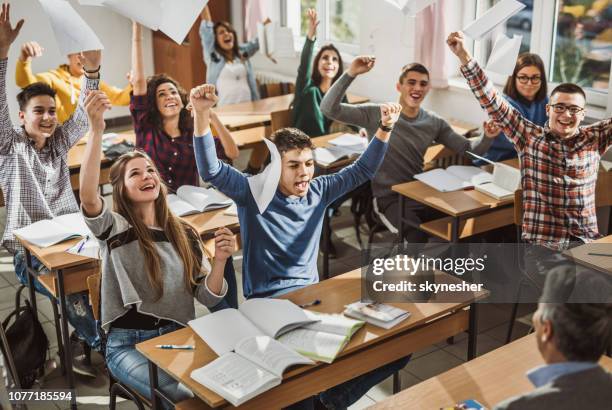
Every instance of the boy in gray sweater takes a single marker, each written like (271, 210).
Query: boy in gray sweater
(414, 132)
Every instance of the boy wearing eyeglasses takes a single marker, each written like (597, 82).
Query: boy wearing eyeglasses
(559, 161)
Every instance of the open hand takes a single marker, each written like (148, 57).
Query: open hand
(96, 103)
(8, 34)
(312, 23)
(456, 43)
(491, 129)
(91, 59)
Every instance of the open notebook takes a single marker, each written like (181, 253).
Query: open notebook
(51, 231)
(193, 200)
(506, 180)
(342, 147)
(454, 178)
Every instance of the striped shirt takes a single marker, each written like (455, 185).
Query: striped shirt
(36, 184)
(558, 175)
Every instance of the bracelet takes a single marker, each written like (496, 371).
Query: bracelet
(383, 127)
(97, 70)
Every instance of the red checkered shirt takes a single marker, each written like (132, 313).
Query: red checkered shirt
(173, 157)
(558, 175)
(36, 184)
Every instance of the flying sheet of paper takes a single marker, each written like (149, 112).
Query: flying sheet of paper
(263, 185)
(146, 12)
(98, 3)
(504, 54)
(178, 16)
(413, 7)
(263, 41)
(72, 33)
(492, 18)
(279, 40)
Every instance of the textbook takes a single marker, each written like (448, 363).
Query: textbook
(342, 147)
(454, 178)
(506, 180)
(257, 365)
(51, 231)
(377, 314)
(275, 41)
(324, 339)
(222, 330)
(193, 200)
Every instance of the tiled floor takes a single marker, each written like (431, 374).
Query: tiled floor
(93, 394)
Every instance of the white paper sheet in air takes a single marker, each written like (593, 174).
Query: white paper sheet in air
(504, 54)
(263, 185)
(72, 33)
(178, 16)
(98, 3)
(146, 12)
(492, 18)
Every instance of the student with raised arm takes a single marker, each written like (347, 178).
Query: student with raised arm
(559, 161)
(153, 263)
(281, 244)
(163, 124)
(314, 79)
(415, 131)
(35, 179)
(65, 80)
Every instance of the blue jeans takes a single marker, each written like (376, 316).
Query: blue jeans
(347, 393)
(231, 298)
(131, 368)
(78, 310)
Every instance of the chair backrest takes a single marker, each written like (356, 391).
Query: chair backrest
(275, 89)
(281, 119)
(1, 199)
(603, 189)
(518, 207)
(93, 284)
(438, 156)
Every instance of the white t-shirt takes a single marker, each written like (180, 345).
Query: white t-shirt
(232, 84)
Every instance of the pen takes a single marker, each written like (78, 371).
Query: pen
(82, 243)
(313, 303)
(600, 254)
(175, 347)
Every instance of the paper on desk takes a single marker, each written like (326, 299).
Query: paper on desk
(504, 54)
(146, 12)
(91, 249)
(263, 185)
(492, 18)
(72, 33)
(178, 16)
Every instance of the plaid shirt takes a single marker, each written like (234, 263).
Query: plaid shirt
(173, 157)
(36, 184)
(558, 175)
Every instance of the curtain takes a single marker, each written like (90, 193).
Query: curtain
(254, 12)
(430, 43)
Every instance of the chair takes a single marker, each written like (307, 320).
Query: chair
(281, 119)
(1, 199)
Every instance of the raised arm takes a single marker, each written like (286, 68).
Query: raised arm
(213, 287)
(7, 36)
(305, 69)
(207, 35)
(89, 178)
(603, 132)
(138, 80)
(23, 68)
(362, 115)
(223, 176)
(227, 141)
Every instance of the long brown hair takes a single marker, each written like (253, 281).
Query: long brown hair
(179, 233)
(526, 60)
(154, 116)
(235, 49)
(316, 75)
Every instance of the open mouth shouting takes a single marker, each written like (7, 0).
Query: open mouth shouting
(301, 186)
(149, 187)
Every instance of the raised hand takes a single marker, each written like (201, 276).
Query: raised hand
(225, 244)
(491, 129)
(8, 34)
(389, 113)
(455, 42)
(91, 59)
(96, 103)
(202, 98)
(29, 50)
(312, 23)
(361, 65)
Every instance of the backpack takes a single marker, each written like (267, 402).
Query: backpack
(27, 342)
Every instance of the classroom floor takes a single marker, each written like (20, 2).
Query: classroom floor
(93, 394)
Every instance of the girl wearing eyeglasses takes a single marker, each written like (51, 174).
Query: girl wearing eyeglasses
(526, 90)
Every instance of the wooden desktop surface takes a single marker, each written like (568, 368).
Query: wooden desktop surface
(428, 323)
(580, 254)
(489, 379)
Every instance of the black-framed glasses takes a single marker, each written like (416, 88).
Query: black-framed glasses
(561, 108)
(524, 79)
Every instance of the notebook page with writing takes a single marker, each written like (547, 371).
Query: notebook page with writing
(270, 354)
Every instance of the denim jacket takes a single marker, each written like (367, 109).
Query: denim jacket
(215, 61)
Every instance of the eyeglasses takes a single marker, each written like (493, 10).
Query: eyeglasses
(523, 79)
(561, 108)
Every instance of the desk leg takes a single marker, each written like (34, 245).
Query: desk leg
(59, 282)
(155, 402)
(472, 331)
(30, 274)
(58, 334)
(455, 230)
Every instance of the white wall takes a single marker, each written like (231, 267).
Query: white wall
(113, 30)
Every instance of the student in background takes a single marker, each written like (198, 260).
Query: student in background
(138, 304)
(415, 131)
(65, 80)
(35, 179)
(559, 162)
(163, 124)
(313, 80)
(285, 237)
(526, 91)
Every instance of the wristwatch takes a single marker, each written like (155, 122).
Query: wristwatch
(384, 127)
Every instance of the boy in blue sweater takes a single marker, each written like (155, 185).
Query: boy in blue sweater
(281, 244)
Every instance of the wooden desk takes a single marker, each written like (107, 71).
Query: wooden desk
(580, 254)
(490, 378)
(370, 347)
